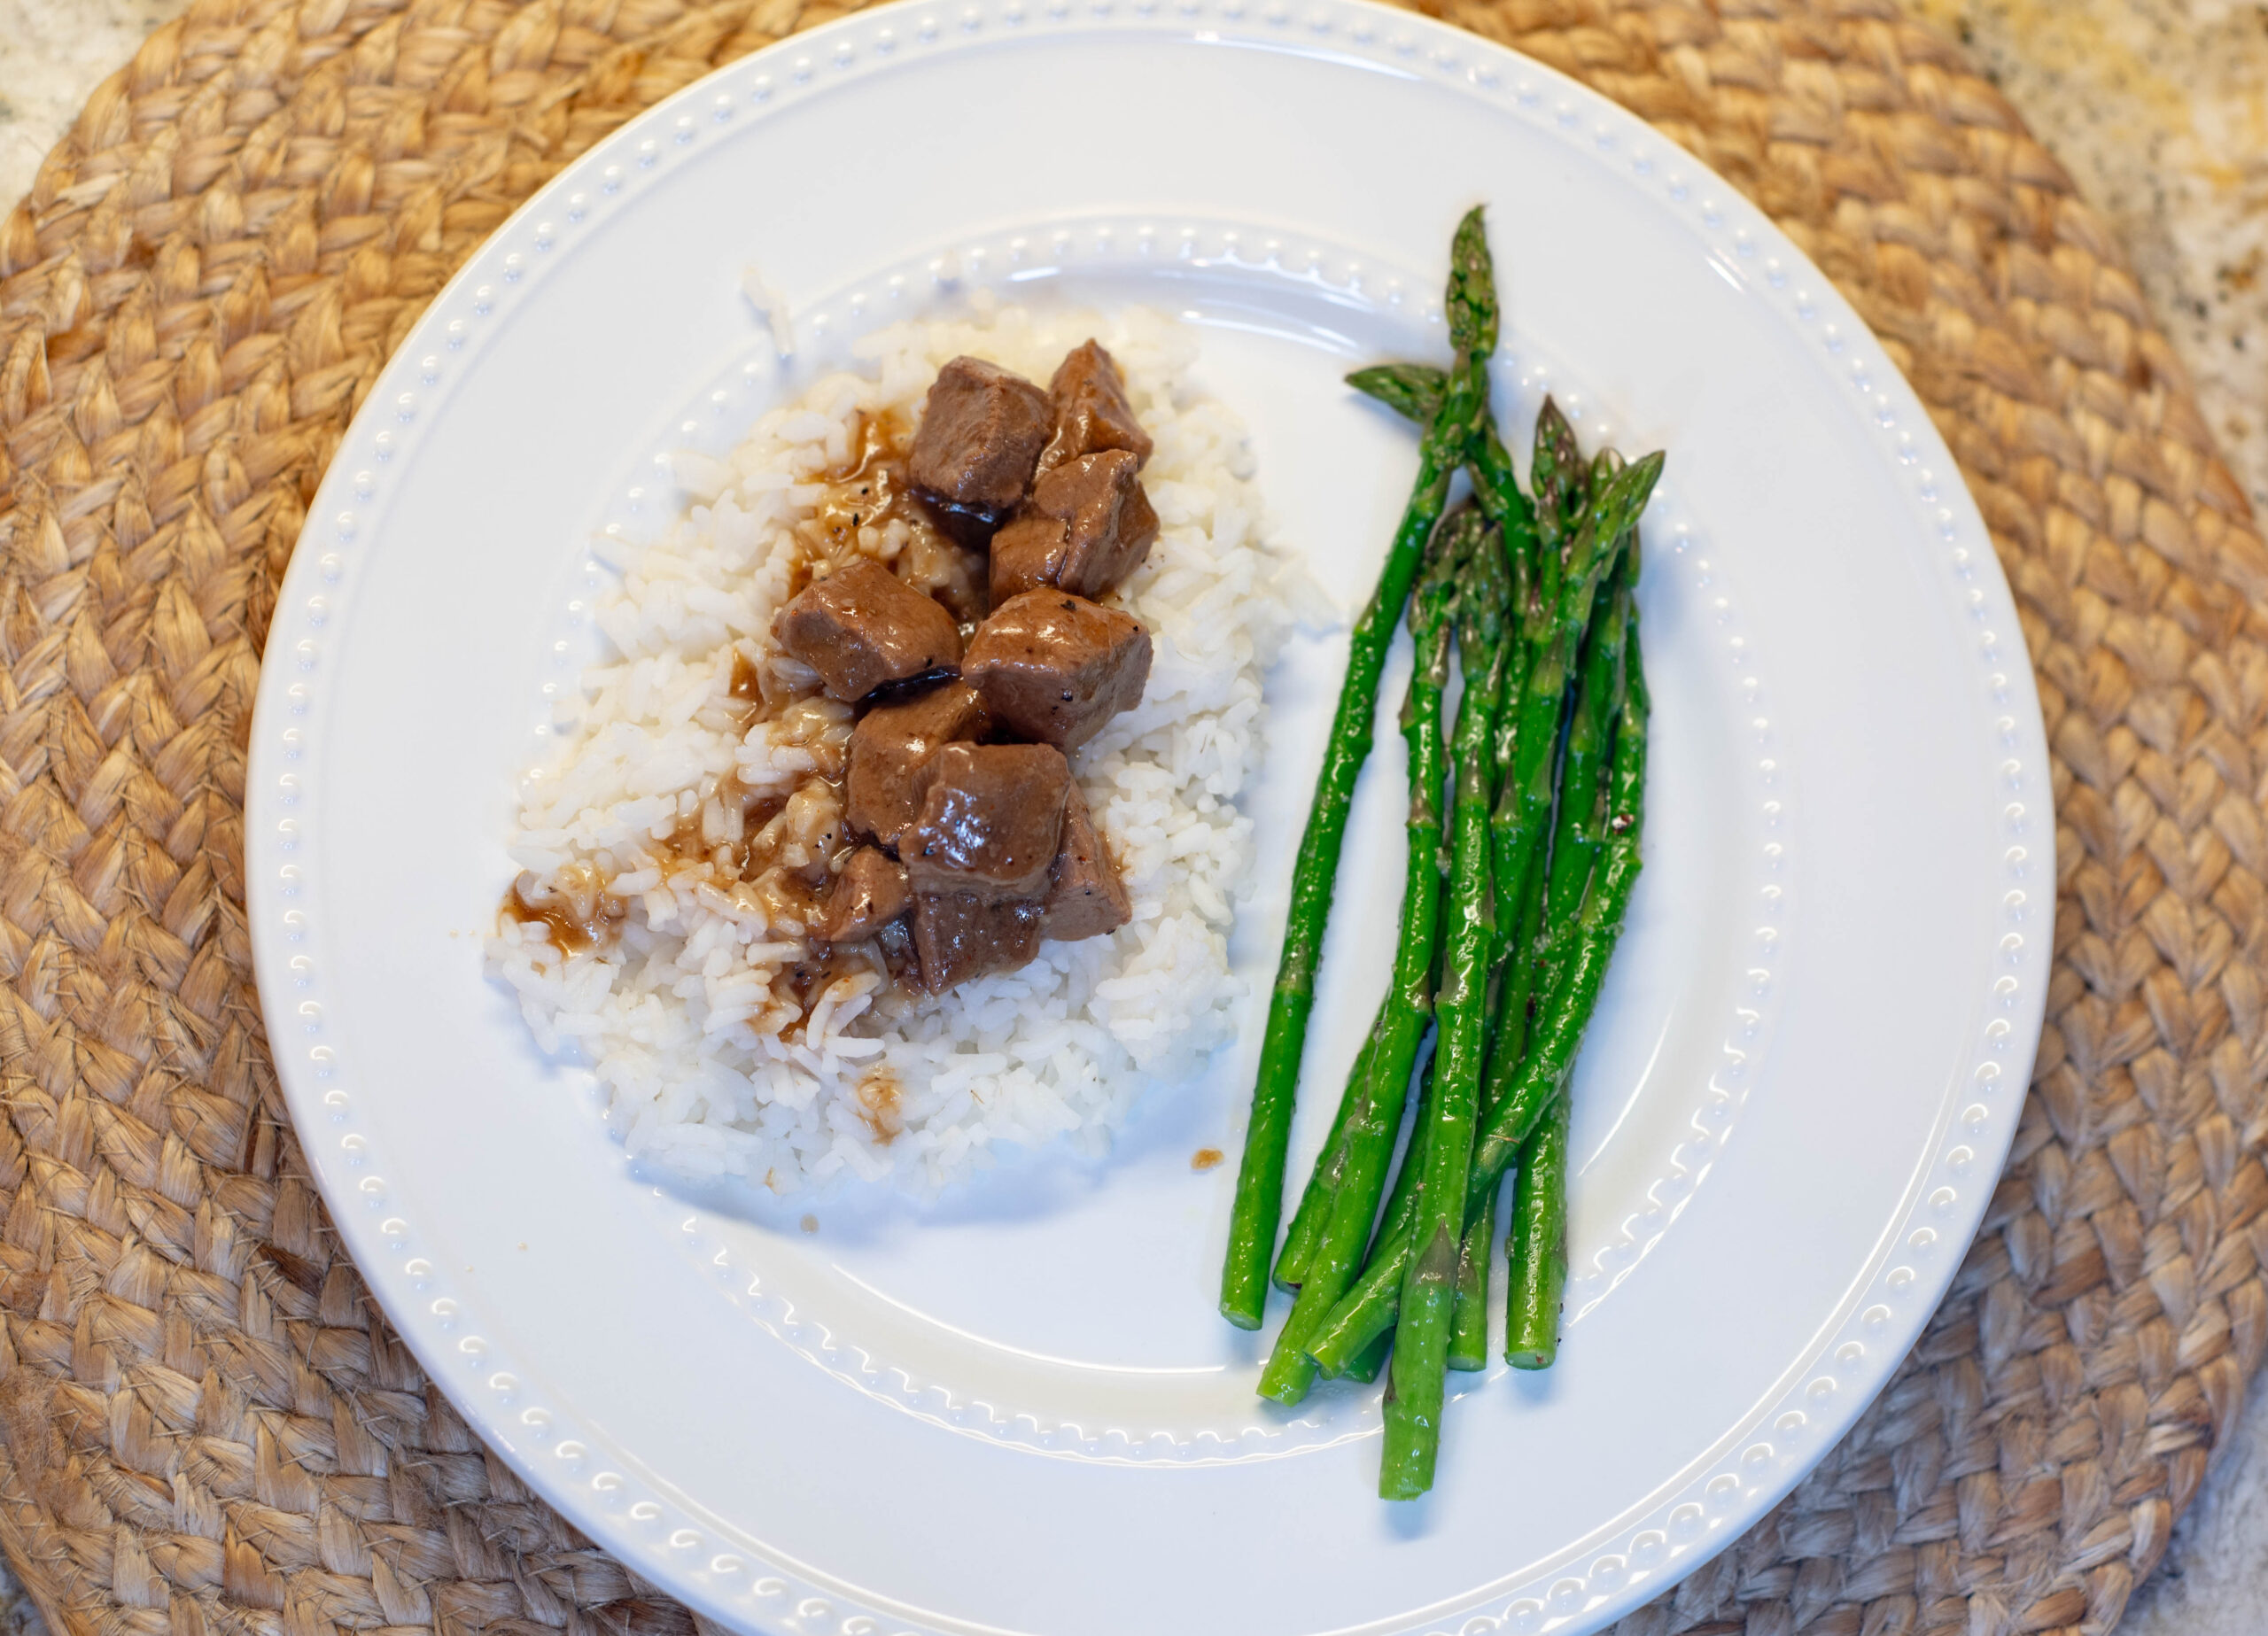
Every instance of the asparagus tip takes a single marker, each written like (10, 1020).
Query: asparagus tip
(1472, 288)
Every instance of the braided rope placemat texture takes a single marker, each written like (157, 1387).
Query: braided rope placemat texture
(207, 1426)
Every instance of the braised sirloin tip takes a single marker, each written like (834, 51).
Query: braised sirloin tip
(982, 430)
(1086, 897)
(894, 752)
(871, 891)
(958, 935)
(1092, 413)
(991, 822)
(967, 839)
(1055, 667)
(1087, 525)
(862, 627)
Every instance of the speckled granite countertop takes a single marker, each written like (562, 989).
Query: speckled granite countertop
(2159, 108)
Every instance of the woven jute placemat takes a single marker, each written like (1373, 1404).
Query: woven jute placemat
(204, 1422)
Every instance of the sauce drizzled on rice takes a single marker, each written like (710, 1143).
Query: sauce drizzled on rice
(774, 854)
(675, 850)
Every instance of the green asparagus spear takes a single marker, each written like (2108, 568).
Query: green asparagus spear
(1469, 1319)
(1369, 1308)
(1305, 1231)
(1580, 827)
(1536, 1280)
(1605, 464)
(1472, 304)
(1580, 830)
(1403, 1198)
(1523, 806)
(1368, 1362)
(1537, 1244)
(1518, 901)
(1412, 391)
(1578, 491)
(1468, 1314)
(1413, 1407)
(1553, 476)
(1545, 616)
(1395, 1220)
(1581, 757)
(1591, 946)
(1394, 1227)
(1376, 1120)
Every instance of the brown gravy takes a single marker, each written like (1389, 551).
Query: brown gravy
(870, 486)
(576, 912)
(879, 1096)
(747, 685)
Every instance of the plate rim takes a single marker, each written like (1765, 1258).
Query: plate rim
(1710, 1494)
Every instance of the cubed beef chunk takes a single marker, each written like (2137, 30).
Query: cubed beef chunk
(1087, 525)
(992, 821)
(981, 430)
(1028, 556)
(862, 626)
(1055, 667)
(894, 752)
(869, 895)
(1085, 896)
(1106, 519)
(958, 935)
(1092, 413)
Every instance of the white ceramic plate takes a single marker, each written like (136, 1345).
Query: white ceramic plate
(1016, 1410)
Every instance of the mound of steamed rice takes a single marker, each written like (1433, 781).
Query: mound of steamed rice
(711, 1063)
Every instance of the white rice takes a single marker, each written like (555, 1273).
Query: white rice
(710, 1064)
